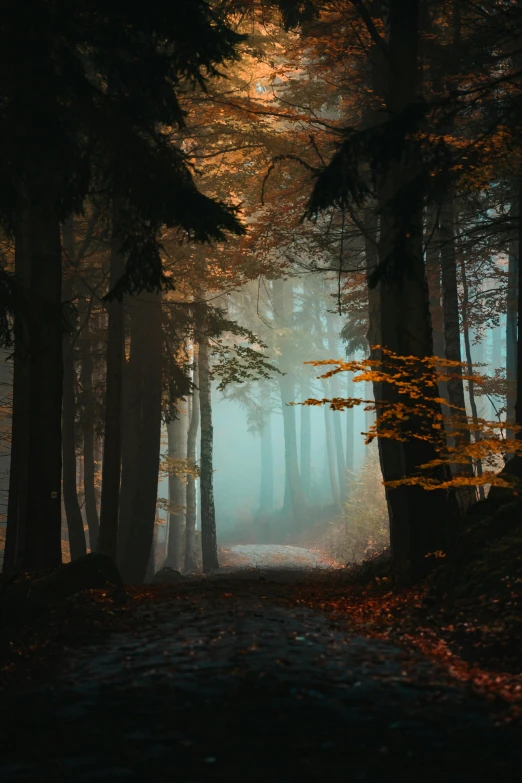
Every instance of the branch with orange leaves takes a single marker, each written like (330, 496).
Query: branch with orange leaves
(411, 409)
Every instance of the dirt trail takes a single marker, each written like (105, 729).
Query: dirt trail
(230, 678)
(272, 556)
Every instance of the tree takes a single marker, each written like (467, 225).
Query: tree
(208, 511)
(177, 433)
(404, 306)
(91, 113)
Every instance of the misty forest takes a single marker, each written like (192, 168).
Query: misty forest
(261, 390)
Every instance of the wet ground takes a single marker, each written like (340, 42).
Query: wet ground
(230, 678)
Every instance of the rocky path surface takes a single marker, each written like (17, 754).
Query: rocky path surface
(230, 678)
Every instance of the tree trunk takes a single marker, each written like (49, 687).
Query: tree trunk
(350, 428)
(450, 299)
(518, 404)
(266, 494)
(266, 499)
(497, 334)
(87, 424)
(18, 476)
(330, 455)
(433, 270)
(131, 416)
(177, 445)
(192, 436)
(306, 435)
(148, 335)
(73, 512)
(208, 512)
(336, 415)
(294, 488)
(43, 508)
(469, 362)
(111, 469)
(511, 320)
(417, 518)
(372, 390)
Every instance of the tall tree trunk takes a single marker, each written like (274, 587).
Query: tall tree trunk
(43, 508)
(87, 425)
(18, 476)
(192, 436)
(433, 271)
(330, 455)
(450, 299)
(336, 415)
(294, 488)
(306, 435)
(350, 428)
(131, 416)
(417, 518)
(111, 468)
(149, 349)
(266, 495)
(469, 363)
(208, 511)
(73, 514)
(518, 404)
(497, 333)
(177, 445)
(511, 319)
(78, 546)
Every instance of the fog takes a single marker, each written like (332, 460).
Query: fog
(237, 464)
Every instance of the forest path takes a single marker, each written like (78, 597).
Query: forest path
(231, 677)
(270, 556)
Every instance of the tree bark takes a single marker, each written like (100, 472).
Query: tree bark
(191, 516)
(518, 404)
(43, 508)
(111, 468)
(350, 428)
(306, 435)
(141, 532)
(77, 543)
(177, 445)
(336, 422)
(469, 363)
(417, 518)
(73, 514)
(511, 319)
(450, 299)
(330, 455)
(18, 476)
(266, 493)
(87, 425)
(131, 421)
(294, 488)
(208, 512)
(433, 270)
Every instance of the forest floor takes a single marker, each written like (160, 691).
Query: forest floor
(285, 674)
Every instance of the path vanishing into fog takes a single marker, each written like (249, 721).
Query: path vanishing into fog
(272, 556)
(233, 678)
